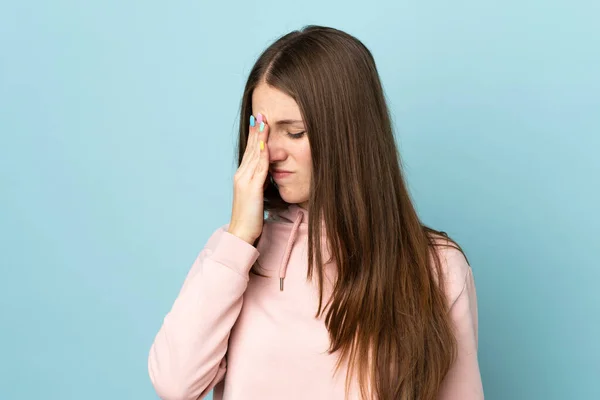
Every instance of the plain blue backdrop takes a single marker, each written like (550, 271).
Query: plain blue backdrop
(117, 149)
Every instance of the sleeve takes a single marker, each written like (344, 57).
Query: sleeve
(187, 357)
(463, 381)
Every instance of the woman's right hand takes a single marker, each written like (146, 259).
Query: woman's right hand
(248, 185)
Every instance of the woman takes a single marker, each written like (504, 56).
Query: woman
(341, 293)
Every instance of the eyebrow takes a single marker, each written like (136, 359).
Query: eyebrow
(288, 122)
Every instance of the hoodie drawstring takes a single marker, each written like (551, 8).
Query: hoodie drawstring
(288, 250)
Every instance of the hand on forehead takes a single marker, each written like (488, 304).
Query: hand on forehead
(276, 107)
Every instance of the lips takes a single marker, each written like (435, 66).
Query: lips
(279, 174)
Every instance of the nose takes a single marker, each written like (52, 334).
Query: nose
(277, 151)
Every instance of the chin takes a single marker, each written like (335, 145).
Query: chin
(291, 197)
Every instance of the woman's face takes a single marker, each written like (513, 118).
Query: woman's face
(289, 149)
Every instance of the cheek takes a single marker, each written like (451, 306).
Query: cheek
(304, 158)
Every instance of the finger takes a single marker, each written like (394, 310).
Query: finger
(263, 130)
(262, 166)
(253, 162)
(255, 149)
(250, 143)
(253, 139)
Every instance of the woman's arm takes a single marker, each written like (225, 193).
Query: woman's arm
(187, 358)
(463, 381)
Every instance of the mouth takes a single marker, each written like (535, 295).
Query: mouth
(280, 174)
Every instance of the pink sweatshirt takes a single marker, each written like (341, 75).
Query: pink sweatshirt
(244, 337)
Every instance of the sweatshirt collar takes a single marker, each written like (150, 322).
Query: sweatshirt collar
(291, 214)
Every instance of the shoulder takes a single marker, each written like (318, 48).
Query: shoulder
(455, 271)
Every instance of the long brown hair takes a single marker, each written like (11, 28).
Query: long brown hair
(387, 314)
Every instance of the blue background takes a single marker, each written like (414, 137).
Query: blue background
(117, 149)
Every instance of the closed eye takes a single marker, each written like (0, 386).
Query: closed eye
(296, 135)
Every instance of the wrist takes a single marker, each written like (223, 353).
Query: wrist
(241, 235)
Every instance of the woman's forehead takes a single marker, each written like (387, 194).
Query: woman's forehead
(277, 107)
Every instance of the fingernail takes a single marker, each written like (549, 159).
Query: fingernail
(262, 127)
(252, 120)
(259, 118)
(262, 145)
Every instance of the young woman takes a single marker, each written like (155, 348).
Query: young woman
(341, 292)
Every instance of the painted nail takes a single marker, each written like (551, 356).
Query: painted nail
(262, 145)
(259, 117)
(262, 127)
(252, 120)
